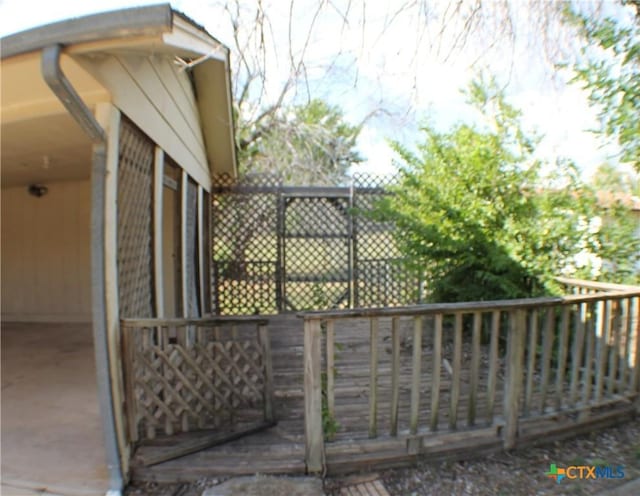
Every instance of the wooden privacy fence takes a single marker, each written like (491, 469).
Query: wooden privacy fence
(495, 373)
(186, 375)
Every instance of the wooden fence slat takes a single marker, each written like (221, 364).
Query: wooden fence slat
(563, 344)
(635, 324)
(602, 334)
(265, 344)
(415, 376)
(373, 377)
(547, 347)
(531, 360)
(435, 378)
(128, 353)
(314, 437)
(493, 363)
(614, 347)
(456, 366)
(587, 384)
(577, 353)
(331, 368)
(475, 368)
(626, 340)
(515, 352)
(395, 374)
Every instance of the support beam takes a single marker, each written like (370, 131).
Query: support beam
(158, 228)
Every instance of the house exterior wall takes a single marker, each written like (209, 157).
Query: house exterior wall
(46, 273)
(158, 97)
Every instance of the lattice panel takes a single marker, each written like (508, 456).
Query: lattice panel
(135, 214)
(316, 248)
(279, 248)
(245, 245)
(180, 387)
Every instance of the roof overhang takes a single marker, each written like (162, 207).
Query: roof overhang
(155, 29)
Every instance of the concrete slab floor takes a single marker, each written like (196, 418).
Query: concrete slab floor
(51, 427)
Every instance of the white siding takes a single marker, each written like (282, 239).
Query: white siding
(46, 272)
(153, 92)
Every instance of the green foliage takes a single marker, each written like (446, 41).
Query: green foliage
(611, 75)
(475, 214)
(610, 178)
(306, 144)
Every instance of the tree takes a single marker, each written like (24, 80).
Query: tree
(611, 75)
(280, 56)
(475, 213)
(612, 179)
(306, 145)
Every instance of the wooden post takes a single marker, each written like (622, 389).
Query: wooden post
(435, 378)
(395, 374)
(314, 436)
(158, 222)
(415, 376)
(515, 351)
(373, 377)
(265, 344)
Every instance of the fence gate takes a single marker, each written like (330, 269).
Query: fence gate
(316, 251)
(280, 248)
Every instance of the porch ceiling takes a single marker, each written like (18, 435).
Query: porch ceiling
(44, 149)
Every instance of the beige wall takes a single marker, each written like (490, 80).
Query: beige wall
(46, 253)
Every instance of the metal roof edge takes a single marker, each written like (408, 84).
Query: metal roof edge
(136, 21)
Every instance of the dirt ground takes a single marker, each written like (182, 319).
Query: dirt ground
(518, 473)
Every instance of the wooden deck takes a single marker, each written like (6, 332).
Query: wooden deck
(281, 449)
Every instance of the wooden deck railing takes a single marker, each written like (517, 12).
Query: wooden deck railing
(186, 375)
(502, 367)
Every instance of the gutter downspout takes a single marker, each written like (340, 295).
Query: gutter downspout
(62, 88)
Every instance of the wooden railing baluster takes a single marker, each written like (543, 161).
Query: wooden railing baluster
(493, 363)
(373, 377)
(531, 360)
(456, 369)
(331, 368)
(576, 354)
(475, 368)
(395, 374)
(614, 348)
(602, 334)
(435, 378)
(547, 349)
(415, 375)
(587, 384)
(563, 344)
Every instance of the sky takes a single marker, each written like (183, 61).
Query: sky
(382, 61)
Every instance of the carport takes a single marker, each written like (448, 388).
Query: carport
(111, 126)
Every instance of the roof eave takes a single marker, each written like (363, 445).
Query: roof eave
(139, 21)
